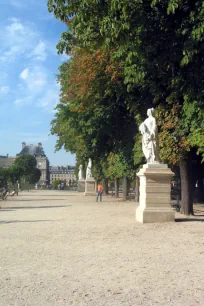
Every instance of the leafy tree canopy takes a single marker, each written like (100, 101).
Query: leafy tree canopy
(3, 177)
(136, 54)
(159, 45)
(34, 176)
(93, 118)
(27, 163)
(15, 173)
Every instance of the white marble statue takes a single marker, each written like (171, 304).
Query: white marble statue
(88, 170)
(80, 174)
(149, 133)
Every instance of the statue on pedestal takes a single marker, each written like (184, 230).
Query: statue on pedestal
(149, 133)
(80, 174)
(89, 170)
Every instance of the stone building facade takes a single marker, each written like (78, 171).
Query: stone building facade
(48, 173)
(42, 160)
(36, 151)
(6, 161)
(62, 173)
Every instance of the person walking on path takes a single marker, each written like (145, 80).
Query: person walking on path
(99, 192)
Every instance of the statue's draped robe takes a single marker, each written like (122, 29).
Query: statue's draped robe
(149, 140)
(88, 170)
(80, 175)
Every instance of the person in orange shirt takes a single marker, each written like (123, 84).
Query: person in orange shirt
(99, 192)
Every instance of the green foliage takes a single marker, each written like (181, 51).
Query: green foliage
(27, 163)
(133, 52)
(15, 173)
(56, 183)
(33, 177)
(138, 155)
(193, 114)
(24, 166)
(93, 105)
(119, 165)
(3, 177)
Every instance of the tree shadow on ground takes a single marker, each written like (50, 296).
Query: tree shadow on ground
(7, 209)
(38, 200)
(35, 207)
(28, 221)
(47, 195)
(189, 219)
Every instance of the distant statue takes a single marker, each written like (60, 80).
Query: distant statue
(149, 133)
(88, 170)
(80, 174)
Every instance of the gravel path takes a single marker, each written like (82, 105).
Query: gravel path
(61, 248)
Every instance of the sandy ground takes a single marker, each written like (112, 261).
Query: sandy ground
(61, 248)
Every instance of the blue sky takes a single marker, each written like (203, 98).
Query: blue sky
(28, 66)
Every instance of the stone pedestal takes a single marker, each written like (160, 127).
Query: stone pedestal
(90, 188)
(81, 185)
(155, 188)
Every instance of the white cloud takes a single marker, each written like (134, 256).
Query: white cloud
(24, 74)
(49, 100)
(38, 89)
(22, 101)
(16, 39)
(35, 78)
(4, 90)
(38, 80)
(39, 52)
(10, 54)
(22, 45)
(15, 28)
(20, 39)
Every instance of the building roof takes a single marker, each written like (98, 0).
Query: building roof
(6, 161)
(66, 171)
(62, 170)
(3, 156)
(34, 150)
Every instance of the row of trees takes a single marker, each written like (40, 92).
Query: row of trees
(24, 168)
(127, 56)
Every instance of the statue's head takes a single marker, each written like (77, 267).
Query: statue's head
(150, 112)
(80, 167)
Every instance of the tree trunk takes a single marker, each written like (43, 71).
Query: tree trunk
(105, 186)
(137, 189)
(96, 186)
(117, 188)
(186, 187)
(125, 188)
